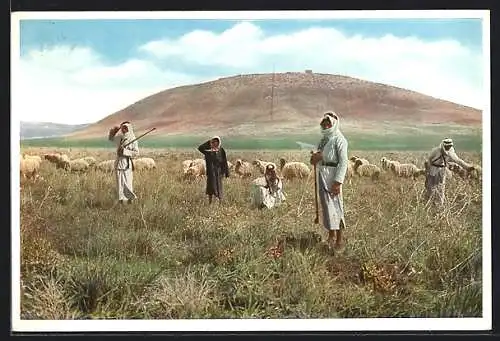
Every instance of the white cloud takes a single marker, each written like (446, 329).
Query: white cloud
(70, 86)
(207, 48)
(443, 69)
(76, 85)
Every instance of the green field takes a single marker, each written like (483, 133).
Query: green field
(407, 142)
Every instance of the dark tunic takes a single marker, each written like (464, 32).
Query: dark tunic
(216, 166)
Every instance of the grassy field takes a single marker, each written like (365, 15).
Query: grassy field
(170, 255)
(357, 141)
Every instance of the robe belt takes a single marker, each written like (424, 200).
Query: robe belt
(441, 165)
(329, 164)
(129, 161)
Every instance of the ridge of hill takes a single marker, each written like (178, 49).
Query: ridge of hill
(291, 102)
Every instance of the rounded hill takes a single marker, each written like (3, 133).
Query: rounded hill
(265, 103)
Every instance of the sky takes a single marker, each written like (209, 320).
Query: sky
(80, 71)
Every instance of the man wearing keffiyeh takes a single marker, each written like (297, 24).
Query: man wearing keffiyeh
(267, 191)
(123, 164)
(436, 165)
(331, 164)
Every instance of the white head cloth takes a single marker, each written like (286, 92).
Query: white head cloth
(334, 120)
(129, 135)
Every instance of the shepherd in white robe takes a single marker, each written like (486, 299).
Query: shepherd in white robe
(124, 166)
(437, 163)
(331, 166)
(267, 191)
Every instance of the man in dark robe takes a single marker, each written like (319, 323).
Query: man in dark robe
(216, 167)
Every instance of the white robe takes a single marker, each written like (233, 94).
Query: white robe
(334, 151)
(435, 180)
(449, 156)
(123, 166)
(267, 197)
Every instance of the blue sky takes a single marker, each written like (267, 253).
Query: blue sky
(109, 64)
(117, 39)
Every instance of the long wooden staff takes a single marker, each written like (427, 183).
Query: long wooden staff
(138, 137)
(316, 219)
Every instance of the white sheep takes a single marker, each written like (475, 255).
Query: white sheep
(36, 157)
(144, 163)
(290, 170)
(185, 165)
(261, 165)
(385, 163)
(62, 161)
(200, 163)
(106, 166)
(195, 170)
(64, 157)
(78, 165)
(476, 173)
(392, 163)
(243, 168)
(230, 165)
(464, 173)
(368, 170)
(395, 168)
(29, 167)
(406, 170)
(356, 158)
(350, 172)
(90, 160)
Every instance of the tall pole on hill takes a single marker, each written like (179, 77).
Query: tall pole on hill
(272, 95)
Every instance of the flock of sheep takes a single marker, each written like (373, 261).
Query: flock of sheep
(362, 167)
(357, 166)
(192, 169)
(196, 168)
(30, 164)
